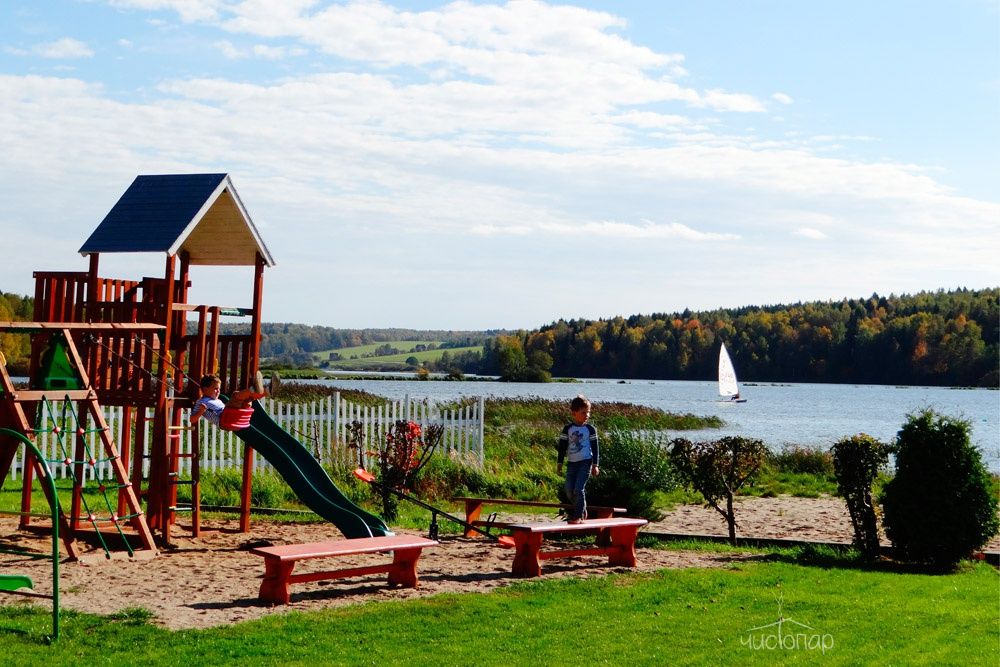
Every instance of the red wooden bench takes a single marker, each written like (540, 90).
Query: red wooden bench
(616, 539)
(474, 508)
(280, 560)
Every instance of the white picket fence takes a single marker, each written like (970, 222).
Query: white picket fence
(320, 426)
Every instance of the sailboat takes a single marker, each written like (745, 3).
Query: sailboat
(728, 386)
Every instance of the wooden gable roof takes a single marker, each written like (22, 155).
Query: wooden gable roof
(198, 213)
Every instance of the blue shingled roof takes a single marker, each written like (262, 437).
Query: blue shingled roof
(158, 213)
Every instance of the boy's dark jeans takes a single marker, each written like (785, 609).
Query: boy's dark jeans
(577, 474)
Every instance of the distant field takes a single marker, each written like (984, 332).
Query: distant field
(394, 360)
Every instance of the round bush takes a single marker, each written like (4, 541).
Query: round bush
(938, 508)
(634, 467)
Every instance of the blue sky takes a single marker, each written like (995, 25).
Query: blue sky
(477, 165)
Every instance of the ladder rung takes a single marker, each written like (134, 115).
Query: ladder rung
(182, 481)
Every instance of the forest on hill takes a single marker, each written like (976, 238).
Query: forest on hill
(948, 338)
(294, 344)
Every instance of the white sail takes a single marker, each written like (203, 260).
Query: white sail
(727, 374)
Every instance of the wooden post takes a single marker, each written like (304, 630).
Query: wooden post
(92, 296)
(252, 366)
(159, 476)
(139, 452)
(125, 451)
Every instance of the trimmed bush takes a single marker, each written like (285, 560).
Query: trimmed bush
(939, 507)
(857, 461)
(635, 466)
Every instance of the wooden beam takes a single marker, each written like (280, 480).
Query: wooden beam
(35, 327)
(25, 395)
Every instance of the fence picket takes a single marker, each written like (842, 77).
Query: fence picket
(321, 427)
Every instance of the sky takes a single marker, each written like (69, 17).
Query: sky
(488, 165)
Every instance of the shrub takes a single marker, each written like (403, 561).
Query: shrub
(635, 466)
(804, 460)
(400, 454)
(857, 461)
(717, 469)
(938, 507)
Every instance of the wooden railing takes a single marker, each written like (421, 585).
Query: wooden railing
(59, 296)
(121, 367)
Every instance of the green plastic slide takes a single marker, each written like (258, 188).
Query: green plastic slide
(307, 478)
(12, 582)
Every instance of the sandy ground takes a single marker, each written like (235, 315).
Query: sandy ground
(214, 580)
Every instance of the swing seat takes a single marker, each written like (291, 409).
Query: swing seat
(235, 419)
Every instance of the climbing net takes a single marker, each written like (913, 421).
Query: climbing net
(62, 421)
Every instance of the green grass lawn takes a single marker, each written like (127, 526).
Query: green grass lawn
(887, 615)
(672, 617)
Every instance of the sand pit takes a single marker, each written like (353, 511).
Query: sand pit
(213, 580)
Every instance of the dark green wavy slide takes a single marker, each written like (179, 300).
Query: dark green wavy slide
(307, 478)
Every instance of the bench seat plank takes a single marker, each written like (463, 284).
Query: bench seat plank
(615, 539)
(474, 509)
(342, 547)
(279, 561)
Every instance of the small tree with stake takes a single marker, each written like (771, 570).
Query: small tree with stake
(857, 461)
(400, 453)
(717, 469)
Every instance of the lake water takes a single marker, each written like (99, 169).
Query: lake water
(803, 414)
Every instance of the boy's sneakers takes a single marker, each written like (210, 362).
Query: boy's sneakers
(258, 384)
(573, 522)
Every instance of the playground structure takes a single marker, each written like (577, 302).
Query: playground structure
(140, 344)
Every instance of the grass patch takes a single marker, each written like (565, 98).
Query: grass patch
(360, 357)
(301, 392)
(689, 617)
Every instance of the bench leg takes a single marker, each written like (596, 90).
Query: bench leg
(404, 568)
(473, 508)
(275, 586)
(621, 551)
(526, 547)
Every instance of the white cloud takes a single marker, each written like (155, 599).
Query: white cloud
(229, 50)
(276, 52)
(263, 51)
(782, 98)
(477, 141)
(62, 49)
(810, 233)
(723, 101)
(644, 230)
(188, 10)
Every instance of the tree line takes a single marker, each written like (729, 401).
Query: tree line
(945, 338)
(294, 344)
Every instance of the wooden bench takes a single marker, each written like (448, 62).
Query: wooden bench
(280, 560)
(474, 508)
(615, 539)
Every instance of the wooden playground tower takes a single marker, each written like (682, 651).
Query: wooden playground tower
(140, 345)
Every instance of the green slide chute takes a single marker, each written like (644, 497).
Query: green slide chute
(307, 478)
